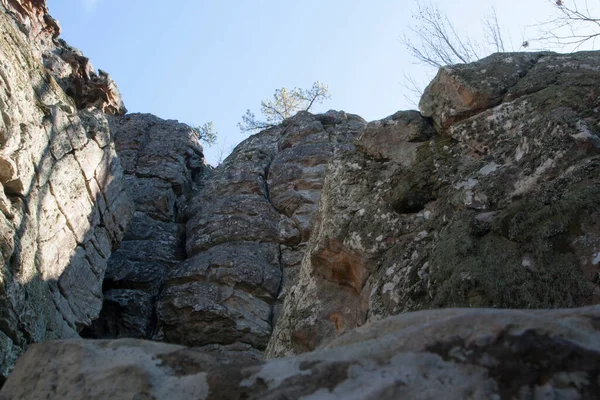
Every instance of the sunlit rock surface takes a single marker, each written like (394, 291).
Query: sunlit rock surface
(63, 207)
(498, 208)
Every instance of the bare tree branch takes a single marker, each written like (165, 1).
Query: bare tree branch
(572, 27)
(493, 33)
(434, 41)
(413, 90)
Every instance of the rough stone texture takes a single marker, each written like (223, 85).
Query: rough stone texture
(63, 207)
(462, 90)
(247, 230)
(161, 160)
(69, 67)
(486, 198)
(497, 209)
(449, 354)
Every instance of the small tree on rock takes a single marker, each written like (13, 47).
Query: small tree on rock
(284, 104)
(206, 133)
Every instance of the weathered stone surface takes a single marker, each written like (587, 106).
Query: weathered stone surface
(67, 65)
(487, 198)
(460, 91)
(495, 210)
(396, 138)
(355, 225)
(247, 228)
(201, 313)
(450, 354)
(162, 160)
(53, 238)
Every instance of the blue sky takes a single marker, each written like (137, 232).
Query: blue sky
(210, 60)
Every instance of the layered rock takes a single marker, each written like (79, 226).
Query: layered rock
(487, 197)
(247, 231)
(496, 208)
(162, 162)
(63, 208)
(449, 354)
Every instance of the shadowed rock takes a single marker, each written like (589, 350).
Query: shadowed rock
(450, 354)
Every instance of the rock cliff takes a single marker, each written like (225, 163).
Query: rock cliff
(325, 239)
(162, 160)
(488, 198)
(63, 207)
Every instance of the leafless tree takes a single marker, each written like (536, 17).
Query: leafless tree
(433, 40)
(492, 32)
(573, 26)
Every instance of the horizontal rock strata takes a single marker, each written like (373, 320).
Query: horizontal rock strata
(246, 232)
(161, 161)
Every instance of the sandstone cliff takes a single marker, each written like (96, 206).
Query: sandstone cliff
(310, 238)
(496, 207)
(63, 208)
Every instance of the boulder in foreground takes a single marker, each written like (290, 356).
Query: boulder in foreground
(450, 354)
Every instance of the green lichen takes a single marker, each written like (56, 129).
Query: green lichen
(470, 269)
(417, 186)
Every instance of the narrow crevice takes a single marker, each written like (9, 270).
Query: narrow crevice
(281, 267)
(276, 301)
(267, 171)
(109, 284)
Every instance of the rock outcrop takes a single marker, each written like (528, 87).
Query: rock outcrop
(246, 232)
(310, 238)
(68, 66)
(63, 208)
(497, 207)
(162, 162)
(449, 354)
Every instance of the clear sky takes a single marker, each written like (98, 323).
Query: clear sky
(210, 60)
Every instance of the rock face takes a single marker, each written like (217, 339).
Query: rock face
(497, 207)
(450, 354)
(63, 208)
(246, 232)
(209, 254)
(68, 66)
(309, 238)
(162, 162)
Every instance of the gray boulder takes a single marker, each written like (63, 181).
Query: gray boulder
(450, 354)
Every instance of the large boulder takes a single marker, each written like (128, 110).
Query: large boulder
(450, 354)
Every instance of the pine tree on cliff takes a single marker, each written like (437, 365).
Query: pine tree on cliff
(284, 104)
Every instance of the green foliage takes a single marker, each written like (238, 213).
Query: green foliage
(284, 104)
(206, 133)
